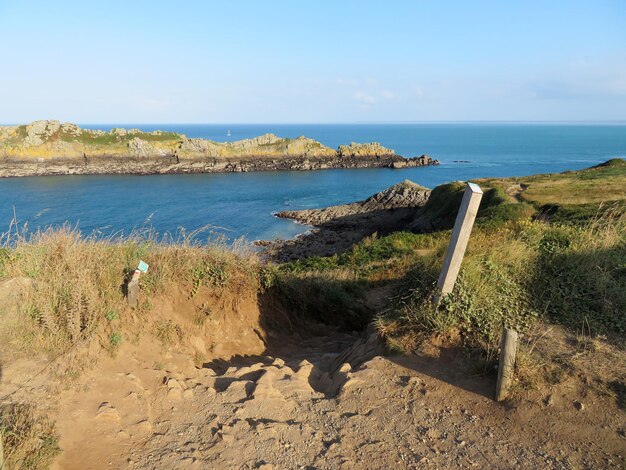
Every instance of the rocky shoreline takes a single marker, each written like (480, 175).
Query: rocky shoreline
(51, 148)
(337, 228)
(168, 165)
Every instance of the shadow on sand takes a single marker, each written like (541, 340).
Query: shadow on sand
(451, 366)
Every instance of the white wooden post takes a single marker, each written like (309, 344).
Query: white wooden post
(460, 237)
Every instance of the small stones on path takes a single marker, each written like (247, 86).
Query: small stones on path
(237, 391)
(174, 394)
(106, 412)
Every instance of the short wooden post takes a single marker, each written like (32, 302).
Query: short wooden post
(460, 237)
(132, 289)
(506, 369)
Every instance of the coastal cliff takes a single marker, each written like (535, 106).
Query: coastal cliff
(55, 148)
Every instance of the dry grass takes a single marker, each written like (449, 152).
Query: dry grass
(601, 184)
(514, 273)
(550, 355)
(79, 283)
(572, 190)
(29, 441)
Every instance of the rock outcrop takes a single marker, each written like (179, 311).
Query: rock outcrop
(338, 228)
(401, 195)
(267, 145)
(363, 150)
(55, 148)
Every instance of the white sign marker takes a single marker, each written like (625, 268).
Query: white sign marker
(143, 267)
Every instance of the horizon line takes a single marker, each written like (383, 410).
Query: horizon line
(586, 122)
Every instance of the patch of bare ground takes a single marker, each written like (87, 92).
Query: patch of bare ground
(232, 380)
(332, 401)
(297, 409)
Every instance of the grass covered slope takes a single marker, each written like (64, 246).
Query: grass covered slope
(546, 246)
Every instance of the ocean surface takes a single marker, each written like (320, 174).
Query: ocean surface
(241, 204)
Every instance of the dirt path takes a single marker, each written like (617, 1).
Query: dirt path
(288, 410)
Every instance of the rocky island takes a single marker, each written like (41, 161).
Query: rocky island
(55, 148)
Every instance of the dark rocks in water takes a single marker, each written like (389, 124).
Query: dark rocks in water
(173, 164)
(424, 160)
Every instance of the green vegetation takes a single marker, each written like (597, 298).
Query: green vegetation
(522, 263)
(115, 339)
(109, 138)
(572, 196)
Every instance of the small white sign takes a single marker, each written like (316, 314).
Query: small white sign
(143, 267)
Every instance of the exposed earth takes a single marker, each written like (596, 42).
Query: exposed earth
(314, 398)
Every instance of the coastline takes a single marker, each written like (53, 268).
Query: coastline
(22, 167)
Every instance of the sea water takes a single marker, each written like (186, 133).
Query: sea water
(242, 204)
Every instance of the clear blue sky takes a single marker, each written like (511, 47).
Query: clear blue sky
(318, 61)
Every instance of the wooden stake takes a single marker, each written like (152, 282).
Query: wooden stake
(506, 368)
(132, 289)
(460, 237)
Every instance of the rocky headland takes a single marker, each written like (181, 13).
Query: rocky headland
(339, 227)
(55, 148)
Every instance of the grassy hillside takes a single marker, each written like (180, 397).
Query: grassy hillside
(546, 246)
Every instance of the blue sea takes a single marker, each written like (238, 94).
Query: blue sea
(241, 204)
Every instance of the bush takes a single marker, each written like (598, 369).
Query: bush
(490, 293)
(323, 298)
(515, 272)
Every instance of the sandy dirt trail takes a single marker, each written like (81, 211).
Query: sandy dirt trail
(304, 406)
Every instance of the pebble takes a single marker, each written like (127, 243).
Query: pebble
(174, 394)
